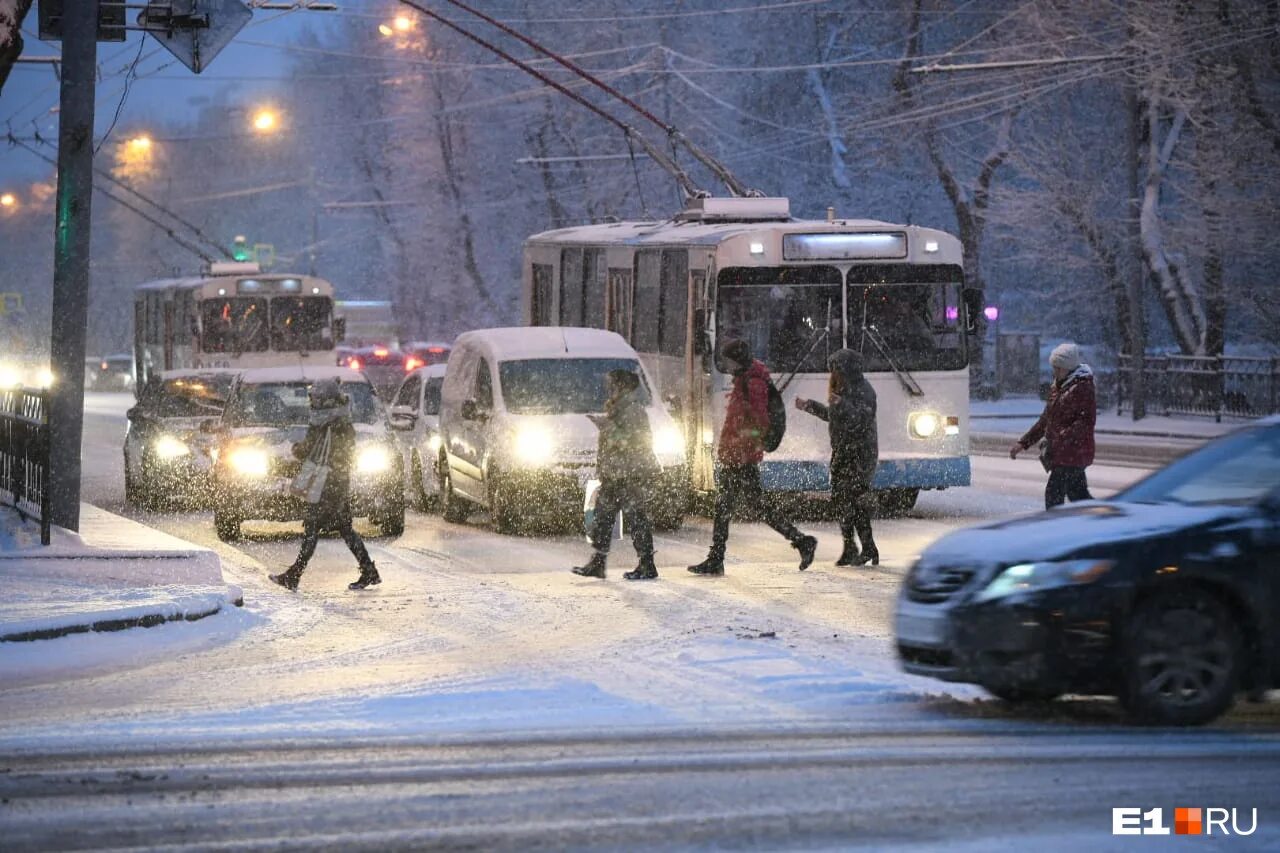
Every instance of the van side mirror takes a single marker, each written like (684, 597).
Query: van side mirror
(701, 337)
(471, 411)
(134, 413)
(403, 417)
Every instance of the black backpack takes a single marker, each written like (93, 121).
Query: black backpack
(777, 419)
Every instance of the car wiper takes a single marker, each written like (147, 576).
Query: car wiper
(909, 384)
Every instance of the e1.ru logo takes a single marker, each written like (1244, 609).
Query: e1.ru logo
(1186, 821)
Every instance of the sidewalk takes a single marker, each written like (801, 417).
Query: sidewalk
(114, 574)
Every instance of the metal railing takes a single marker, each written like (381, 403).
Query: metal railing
(24, 454)
(1236, 386)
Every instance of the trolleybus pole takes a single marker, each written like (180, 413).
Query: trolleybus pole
(71, 257)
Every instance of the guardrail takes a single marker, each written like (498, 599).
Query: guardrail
(1237, 386)
(24, 454)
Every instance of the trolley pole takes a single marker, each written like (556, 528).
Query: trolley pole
(71, 257)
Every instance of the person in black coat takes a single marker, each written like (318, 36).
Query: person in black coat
(850, 414)
(331, 417)
(627, 470)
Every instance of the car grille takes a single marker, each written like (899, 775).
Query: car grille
(935, 584)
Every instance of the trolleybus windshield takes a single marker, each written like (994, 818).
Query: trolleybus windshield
(234, 324)
(911, 315)
(300, 323)
(790, 316)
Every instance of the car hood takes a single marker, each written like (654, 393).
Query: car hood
(1062, 532)
(280, 440)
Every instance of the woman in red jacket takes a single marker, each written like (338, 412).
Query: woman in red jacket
(1067, 425)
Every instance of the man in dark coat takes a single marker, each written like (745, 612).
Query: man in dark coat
(627, 469)
(740, 452)
(1067, 425)
(331, 417)
(850, 414)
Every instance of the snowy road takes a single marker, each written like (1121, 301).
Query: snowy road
(474, 636)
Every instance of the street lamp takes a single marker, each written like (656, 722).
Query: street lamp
(140, 144)
(265, 121)
(386, 30)
(8, 200)
(402, 23)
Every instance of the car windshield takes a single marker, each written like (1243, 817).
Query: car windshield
(235, 324)
(187, 397)
(1242, 468)
(560, 386)
(301, 323)
(287, 404)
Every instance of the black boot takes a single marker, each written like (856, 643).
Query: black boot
(870, 554)
(368, 577)
(849, 556)
(713, 566)
(807, 546)
(594, 568)
(288, 579)
(644, 571)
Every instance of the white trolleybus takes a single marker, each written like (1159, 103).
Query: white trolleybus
(234, 317)
(796, 291)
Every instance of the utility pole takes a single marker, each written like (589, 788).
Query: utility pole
(1137, 332)
(71, 257)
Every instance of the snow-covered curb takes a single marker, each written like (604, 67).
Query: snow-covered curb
(65, 609)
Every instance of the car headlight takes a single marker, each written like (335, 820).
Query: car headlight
(372, 459)
(668, 441)
(924, 424)
(433, 443)
(534, 446)
(1028, 577)
(249, 461)
(44, 378)
(9, 376)
(168, 447)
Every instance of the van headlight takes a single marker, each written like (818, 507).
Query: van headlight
(668, 441)
(924, 424)
(372, 459)
(251, 462)
(167, 447)
(534, 446)
(1029, 577)
(10, 377)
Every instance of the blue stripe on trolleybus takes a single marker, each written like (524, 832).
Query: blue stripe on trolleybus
(925, 473)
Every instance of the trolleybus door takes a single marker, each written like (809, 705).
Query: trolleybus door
(697, 404)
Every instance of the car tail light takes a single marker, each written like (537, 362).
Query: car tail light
(412, 363)
(435, 350)
(382, 352)
(354, 363)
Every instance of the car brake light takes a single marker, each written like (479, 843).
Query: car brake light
(354, 363)
(435, 350)
(381, 352)
(412, 363)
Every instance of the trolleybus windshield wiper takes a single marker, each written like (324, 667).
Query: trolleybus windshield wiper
(909, 384)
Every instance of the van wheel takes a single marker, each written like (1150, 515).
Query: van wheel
(501, 509)
(1181, 659)
(418, 489)
(453, 508)
(227, 526)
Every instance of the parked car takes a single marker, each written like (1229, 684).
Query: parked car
(109, 373)
(515, 436)
(166, 455)
(266, 414)
(415, 415)
(384, 365)
(424, 354)
(1166, 595)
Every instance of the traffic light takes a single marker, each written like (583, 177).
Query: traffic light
(240, 250)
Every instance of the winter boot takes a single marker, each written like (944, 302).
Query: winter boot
(713, 566)
(595, 566)
(807, 546)
(644, 571)
(288, 579)
(368, 577)
(849, 556)
(870, 554)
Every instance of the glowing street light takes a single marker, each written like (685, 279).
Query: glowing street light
(403, 23)
(385, 30)
(264, 121)
(140, 144)
(8, 200)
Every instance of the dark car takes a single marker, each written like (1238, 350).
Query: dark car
(383, 365)
(424, 354)
(1166, 596)
(109, 373)
(166, 455)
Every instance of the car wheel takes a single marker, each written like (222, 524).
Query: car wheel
(226, 525)
(1022, 695)
(1181, 660)
(134, 495)
(392, 523)
(453, 508)
(897, 502)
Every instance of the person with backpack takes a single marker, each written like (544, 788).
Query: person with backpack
(627, 470)
(330, 425)
(850, 414)
(1066, 426)
(747, 423)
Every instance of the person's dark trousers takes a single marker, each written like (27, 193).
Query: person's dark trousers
(856, 519)
(1066, 483)
(341, 521)
(632, 502)
(739, 486)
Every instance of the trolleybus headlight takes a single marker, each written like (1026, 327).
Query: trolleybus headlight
(249, 462)
(924, 424)
(167, 447)
(668, 441)
(372, 459)
(433, 443)
(534, 446)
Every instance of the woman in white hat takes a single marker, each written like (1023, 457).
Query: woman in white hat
(1066, 425)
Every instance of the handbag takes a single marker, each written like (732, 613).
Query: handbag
(308, 483)
(1045, 459)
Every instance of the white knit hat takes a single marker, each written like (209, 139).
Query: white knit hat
(1065, 356)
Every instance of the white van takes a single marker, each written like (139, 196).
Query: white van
(515, 436)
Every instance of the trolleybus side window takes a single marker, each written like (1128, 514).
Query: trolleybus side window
(540, 309)
(620, 307)
(673, 304)
(571, 296)
(154, 302)
(593, 273)
(235, 324)
(790, 316)
(648, 296)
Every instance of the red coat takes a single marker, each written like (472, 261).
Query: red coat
(747, 418)
(1068, 420)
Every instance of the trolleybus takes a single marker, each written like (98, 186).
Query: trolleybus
(796, 291)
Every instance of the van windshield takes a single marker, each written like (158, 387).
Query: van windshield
(559, 386)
